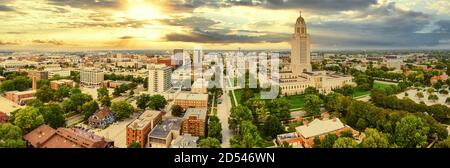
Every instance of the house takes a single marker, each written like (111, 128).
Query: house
(319, 128)
(101, 118)
(46, 137)
(3, 117)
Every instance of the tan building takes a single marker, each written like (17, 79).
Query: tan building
(298, 76)
(185, 141)
(189, 100)
(90, 76)
(194, 121)
(46, 137)
(159, 78)
(55, 85)
(163, 134)
(137, 131)
(20, 97)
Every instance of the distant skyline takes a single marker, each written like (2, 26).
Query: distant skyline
(222, 24)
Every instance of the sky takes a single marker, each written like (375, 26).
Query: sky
(222, 24)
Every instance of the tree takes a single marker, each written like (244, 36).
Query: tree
(238, 114)
(433, 97)
(62, 93)
(122, 109)
(177, 110)
(334, 102)
(209, 143)
(419, 95)
(89, 109)
(53, 115)
(345, 142)
(157, 102)
(134, 145)
(11, 136)
(69, 106)
(215, 128)
(364, 82)
(443, 144)
(248, 136)
(447, 100)
(102, 92)
(411, 132)
(7, 85)
(142, 101)
(106, 101)
(311, 90)
(279, 108)
(374, 139)
(430, 90)
(272, 127)
(117, 92)
(312, 104)
(28, 119)
(327, 141)
(45, 94)
(42, 82)
(246, 95)
(22, 83)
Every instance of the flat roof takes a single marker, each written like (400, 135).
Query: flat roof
(144, 119)
(162, 130)
(192, 96)
(200, 113)
(319, 127)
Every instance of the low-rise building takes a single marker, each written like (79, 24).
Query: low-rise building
(101, 118)
(20, 98)
(185, 141)
(319, 128)
(46, 137)
(162, 135)
(55, 85)
(290, 138)
(190, 100)
(114, 84)
(194, 121)
(137, 131)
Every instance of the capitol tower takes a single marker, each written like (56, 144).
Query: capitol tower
(300, 52)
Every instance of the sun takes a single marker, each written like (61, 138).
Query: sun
(140, 10)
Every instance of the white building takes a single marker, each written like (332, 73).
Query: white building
(200, 86)
(91, 76)
(159, 78)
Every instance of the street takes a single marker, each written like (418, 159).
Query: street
(223, 113)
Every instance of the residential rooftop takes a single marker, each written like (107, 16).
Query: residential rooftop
(162, 130)
(200, 113)
(144, 119)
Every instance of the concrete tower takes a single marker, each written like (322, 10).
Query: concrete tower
(300, 52)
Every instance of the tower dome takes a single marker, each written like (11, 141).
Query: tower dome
(300, 19)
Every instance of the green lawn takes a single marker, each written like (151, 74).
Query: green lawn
(380, 86)
(296, 102)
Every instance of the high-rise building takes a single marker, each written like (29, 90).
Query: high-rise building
(300, 52)
(91, 76)
(159, 78)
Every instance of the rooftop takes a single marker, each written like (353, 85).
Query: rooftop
(185, 141)
(163, 130)
(200, 113)
(144, 119)
(319, 127)
(192, 96)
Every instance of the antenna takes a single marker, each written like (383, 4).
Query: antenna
(300, 12)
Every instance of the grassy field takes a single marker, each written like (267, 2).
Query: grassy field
(296, 102)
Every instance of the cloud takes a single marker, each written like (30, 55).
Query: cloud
(8, 43)
(106, 24)
(4, 8)
(16, 33)
(381, 26)
(87, 4)
(202, 30)
(53, 42)
(126, 37)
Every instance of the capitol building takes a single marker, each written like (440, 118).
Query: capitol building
(298, 75)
